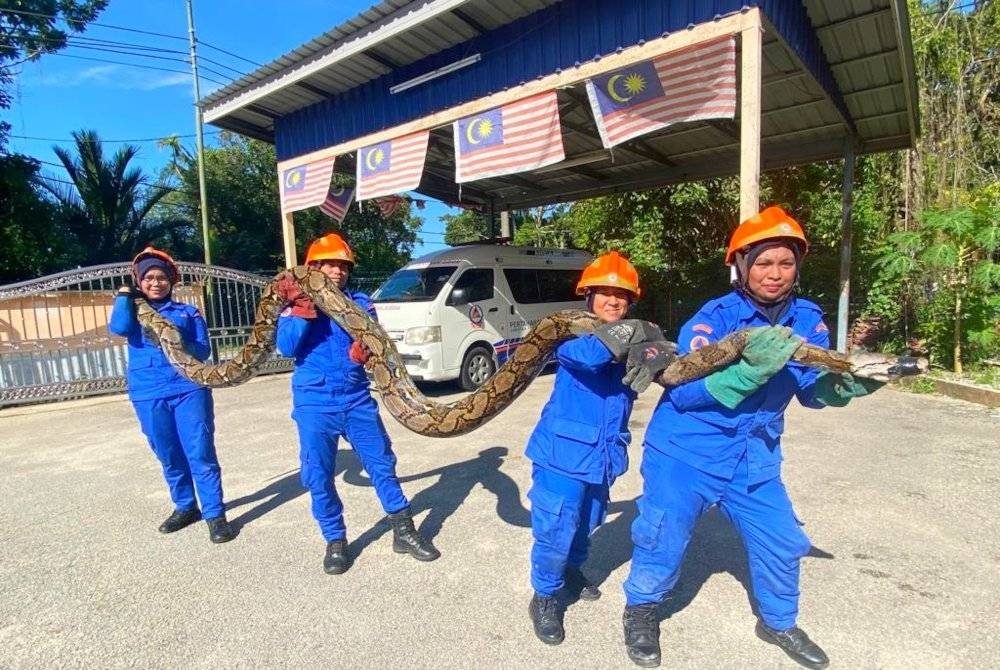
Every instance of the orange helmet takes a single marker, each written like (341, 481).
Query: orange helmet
(610, 269)
(772, 223)
(152, 253)
(331, 246)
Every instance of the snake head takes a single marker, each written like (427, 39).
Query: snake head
(884, 367)
(908, 366)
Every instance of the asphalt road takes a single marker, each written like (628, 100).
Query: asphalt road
(898, 492)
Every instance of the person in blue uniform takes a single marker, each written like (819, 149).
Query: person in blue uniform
(175, 414)
(578, 448)
(716, 441)
(331, 399)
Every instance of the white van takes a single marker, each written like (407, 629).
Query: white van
(460, 312)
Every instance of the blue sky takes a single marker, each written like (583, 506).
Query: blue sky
(63, 92)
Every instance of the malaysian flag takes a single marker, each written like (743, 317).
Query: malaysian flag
(516, 137)
(391, 167)
(305, 185)
(389, 204)
(337, 202)
(698, 82)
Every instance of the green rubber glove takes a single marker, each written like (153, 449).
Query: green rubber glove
(836, 390)
(767, 350)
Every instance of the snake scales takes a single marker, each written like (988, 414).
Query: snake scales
(400, 395)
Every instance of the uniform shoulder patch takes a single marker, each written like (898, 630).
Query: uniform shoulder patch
(821, 328)
(697, 342)
(702, 328)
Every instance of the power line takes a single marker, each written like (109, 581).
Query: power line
(138, 65)
(230, 53)
(71, 23)
(103, 141)
(133, 49)
(142, 32)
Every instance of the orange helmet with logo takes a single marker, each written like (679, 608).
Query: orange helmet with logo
(610, 269)
(330, 247)
(771, 224)
(152, 253)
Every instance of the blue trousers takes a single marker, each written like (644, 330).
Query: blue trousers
(319, 433)
(181, 432)
(675, 494)
(564, 512)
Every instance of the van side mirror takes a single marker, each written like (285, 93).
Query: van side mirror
(459, 296)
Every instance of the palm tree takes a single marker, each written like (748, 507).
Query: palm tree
(107, 207)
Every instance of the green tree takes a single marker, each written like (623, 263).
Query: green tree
(952, 258)
(29, 242)
(243, 210)
(30, 245)
(106, 210)
(545, 226)
(466, 226)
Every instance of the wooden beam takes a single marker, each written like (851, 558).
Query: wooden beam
(288, 236)
(728, 25)
(751, 39)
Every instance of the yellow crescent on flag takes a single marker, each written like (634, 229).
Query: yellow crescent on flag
(368, 159)
(613, 93)
(468, 131)
(292, 177)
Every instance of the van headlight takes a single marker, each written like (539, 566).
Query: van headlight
(422, 335)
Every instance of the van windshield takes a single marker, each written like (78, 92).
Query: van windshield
(412, 285)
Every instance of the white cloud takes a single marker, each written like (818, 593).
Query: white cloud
(162, 81)
(117, 76)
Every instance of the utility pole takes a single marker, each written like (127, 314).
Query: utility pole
(199, 140)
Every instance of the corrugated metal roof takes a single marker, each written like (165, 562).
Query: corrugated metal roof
(843, 68)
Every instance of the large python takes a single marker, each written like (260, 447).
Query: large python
(412, 409)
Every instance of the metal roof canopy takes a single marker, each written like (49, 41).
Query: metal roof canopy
(868, 102)
(816, 82)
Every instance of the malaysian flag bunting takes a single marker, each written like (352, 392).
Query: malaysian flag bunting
(389, 204)
(305, 185)
(337, 202)
(516, 137)
(391, 167)
(687, 85)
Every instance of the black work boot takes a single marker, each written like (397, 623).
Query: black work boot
(406, 539)
(796, 644)
(179, 519)
(336, 561)
(642, 635)
(578, 584)
(219, 530)
(544, 613)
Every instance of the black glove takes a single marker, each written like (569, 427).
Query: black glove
(646, 361)
(620, 335)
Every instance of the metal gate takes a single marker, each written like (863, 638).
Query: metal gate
(54, 340)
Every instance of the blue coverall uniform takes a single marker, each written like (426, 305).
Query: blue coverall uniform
(578, 449)
(699, 453)
(176, 414)
(330, 399)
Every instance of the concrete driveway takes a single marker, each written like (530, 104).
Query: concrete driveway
(898, 492)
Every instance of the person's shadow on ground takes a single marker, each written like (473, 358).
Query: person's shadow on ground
(441, 499)
(715, 547)
(285, 488)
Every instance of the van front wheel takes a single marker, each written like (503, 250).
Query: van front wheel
(477, 367)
